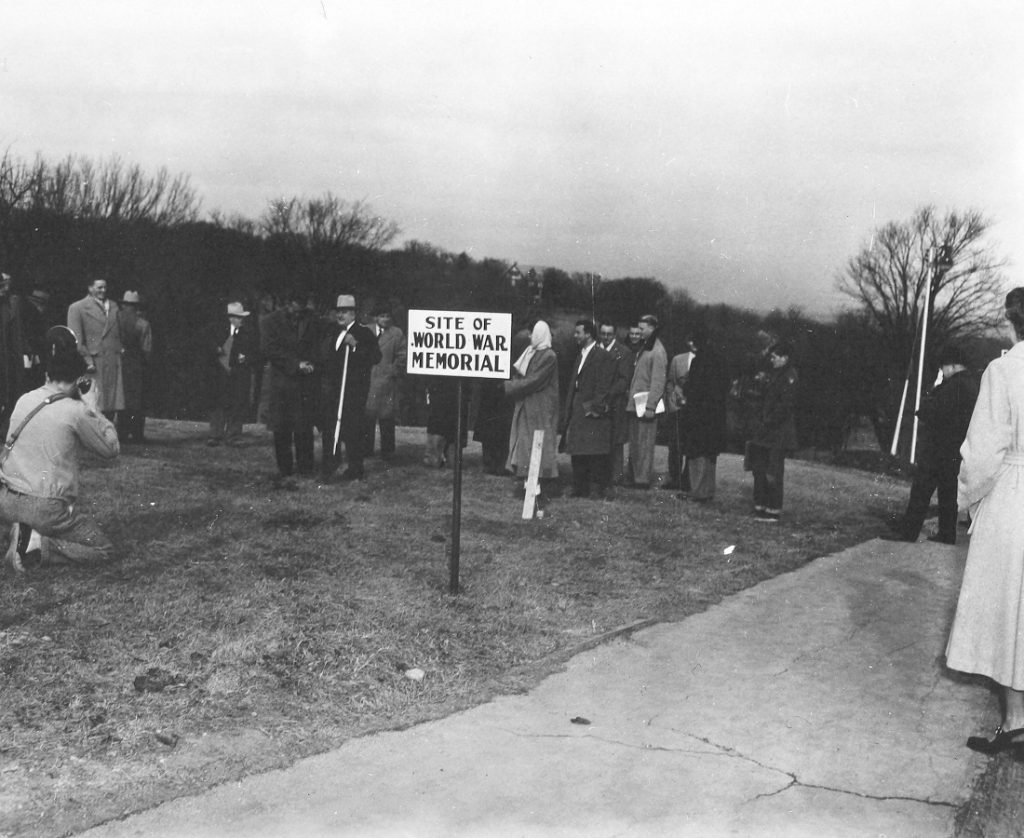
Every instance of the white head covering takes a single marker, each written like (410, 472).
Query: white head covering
(540, 338)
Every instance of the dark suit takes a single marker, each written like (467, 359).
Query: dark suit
(624, 361)
(586, 425)
(232, 360)
(286, 341)
(361, 359)
(13, 348)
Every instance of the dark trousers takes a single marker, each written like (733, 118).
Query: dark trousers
(931, 476)
(678, 468)
(303, 447)
(352, 439)
(387, 435)
(231, 405)
(494, 456)
(590, 471)
(769, 468)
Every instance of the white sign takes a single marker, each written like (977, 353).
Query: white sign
(471, 344)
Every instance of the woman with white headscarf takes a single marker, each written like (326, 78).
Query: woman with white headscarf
(534, 388)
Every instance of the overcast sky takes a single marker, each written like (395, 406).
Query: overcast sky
(740, 149)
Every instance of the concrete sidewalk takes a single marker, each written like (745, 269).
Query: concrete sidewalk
(814, 704)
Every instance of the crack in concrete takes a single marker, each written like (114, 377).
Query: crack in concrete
(731, 753)
(796, 782)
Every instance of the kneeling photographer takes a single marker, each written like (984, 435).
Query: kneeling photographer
(39, 462)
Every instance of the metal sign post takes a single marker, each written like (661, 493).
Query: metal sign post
(453, 558)
(459, 344)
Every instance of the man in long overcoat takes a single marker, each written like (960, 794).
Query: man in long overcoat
(348, 352)
(675, 417)
(14, 347)
(93, 319)
(233, 355)
(382, 400)
(289, 343)
(624, 359)
(586, 425)
(648, 377)
(137, 346)
(706, 392)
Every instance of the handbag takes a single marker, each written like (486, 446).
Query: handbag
(13, 438)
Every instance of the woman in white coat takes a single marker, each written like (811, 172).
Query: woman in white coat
(987, 637)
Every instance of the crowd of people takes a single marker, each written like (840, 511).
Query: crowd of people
(619, 392)
(312, 373)
(61, 389)
(78, 387)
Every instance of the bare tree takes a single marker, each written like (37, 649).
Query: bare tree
(328, 223)
(889, 277)
(17, 181)
(79, 188)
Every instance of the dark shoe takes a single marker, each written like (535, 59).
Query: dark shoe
(32, 559)
(348, 474)
(212, 443)
(1002, 741)
(670, 485)
(939, 539)
(897, 536)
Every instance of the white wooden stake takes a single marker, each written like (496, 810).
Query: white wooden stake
(533, 476)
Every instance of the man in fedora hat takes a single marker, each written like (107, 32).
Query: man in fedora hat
(233, 356)
(93, 319)
(136, 346)
(348, 352)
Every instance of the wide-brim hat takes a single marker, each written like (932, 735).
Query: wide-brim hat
(345, 301)
(131, 297)
(237, 310)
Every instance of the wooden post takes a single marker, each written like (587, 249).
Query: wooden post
(533, 476)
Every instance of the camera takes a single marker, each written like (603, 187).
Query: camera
(83, 385)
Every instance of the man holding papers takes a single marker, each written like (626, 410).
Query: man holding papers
(644, 401)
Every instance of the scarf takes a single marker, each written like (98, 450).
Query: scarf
(540, 338)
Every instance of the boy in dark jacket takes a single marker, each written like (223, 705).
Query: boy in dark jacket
(945, 415)
(774, 435)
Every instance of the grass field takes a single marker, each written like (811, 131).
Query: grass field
(247, 624)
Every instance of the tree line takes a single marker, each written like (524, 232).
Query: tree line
(63, 224)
